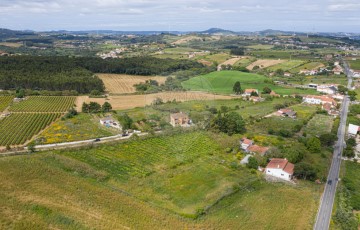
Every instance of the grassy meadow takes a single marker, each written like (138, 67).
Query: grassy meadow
(223, 81)
(153, 183)
(81, 127)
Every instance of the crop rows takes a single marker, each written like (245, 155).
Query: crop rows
(20, 127)
(5, 102)
(44, 104)
(139, 158)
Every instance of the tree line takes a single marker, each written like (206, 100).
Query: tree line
(77, 73)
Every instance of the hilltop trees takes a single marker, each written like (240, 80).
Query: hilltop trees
(94, 107)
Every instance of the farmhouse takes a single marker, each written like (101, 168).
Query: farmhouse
(287, 113)
(280, 168)
(109, 122)
(256, 149)
(328, 89)
(245, 143)
(309, 72)
(247, 92)
(248, 146)
(319, 100)
(353, 130)
(287, 74)
(338, 70)
(180, 119)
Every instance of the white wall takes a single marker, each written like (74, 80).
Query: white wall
(278, 173)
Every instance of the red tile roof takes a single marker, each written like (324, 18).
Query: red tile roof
(279, 163)
(250, 90)
(246, 141)
(258, 149)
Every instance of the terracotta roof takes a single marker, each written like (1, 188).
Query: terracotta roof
(279, 163)
(323, 98)
(250, 90)
(258, 149)
(246, 141)
(179, 115)
(327, 106)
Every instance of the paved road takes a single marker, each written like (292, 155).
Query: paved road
(327, 199)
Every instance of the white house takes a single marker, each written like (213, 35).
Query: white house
(246, 143)
(247, 92)
(280, 168)
(328, 89)
(318, 100)
(353, 130)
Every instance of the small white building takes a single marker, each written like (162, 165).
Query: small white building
(247, 92)
(328, 89)
(319, 100)
(353, 130)
(280, 168)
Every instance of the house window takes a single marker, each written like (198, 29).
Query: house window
(282, 174)
(268, 170)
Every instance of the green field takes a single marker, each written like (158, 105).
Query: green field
(44, 104)
(304, 111)
(5, 102)
(218, 58)
(286, 66)
(20, 127)
(260, 47)
(351, 181)
(139, 185)
(81, 127)
(319, 124)
(355, 64)
(223, 82)
(308, 66)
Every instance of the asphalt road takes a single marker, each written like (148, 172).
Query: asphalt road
(327, 200)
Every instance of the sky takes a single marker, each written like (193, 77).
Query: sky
(181, 15)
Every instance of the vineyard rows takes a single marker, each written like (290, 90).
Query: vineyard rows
(44, 104)
(21, 127)
(5, 102)
(138, 158)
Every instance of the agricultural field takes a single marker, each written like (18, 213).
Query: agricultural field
(282, 54)
(319, 124)
(133, 101)
(232, 61)
(18, 128)
(59, 104)
(5, 101)
(245, 61)
(304, 111)
(264, 63)
(215, 58)
(355, 64)
(275, 124)
(323, 79)
(286, 66)
(351, 180)
(187, 39)
(124, 84)
(63, 193)
(260, 47)
(11, 44)
(308, 66)
(223, 82)
(81, 127)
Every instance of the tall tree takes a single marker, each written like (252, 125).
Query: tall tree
(237, 88)
(106, 107)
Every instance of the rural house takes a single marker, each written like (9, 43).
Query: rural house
(256, 99)
(319, 100)
(328, 89)
(245, 143)
(280, 168)
(247, 92)
(287, 113)
(256, 149)
(248, 146)
(180, 119)
(273, 94)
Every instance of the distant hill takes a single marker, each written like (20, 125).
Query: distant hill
(217, 31)
(6, 34)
